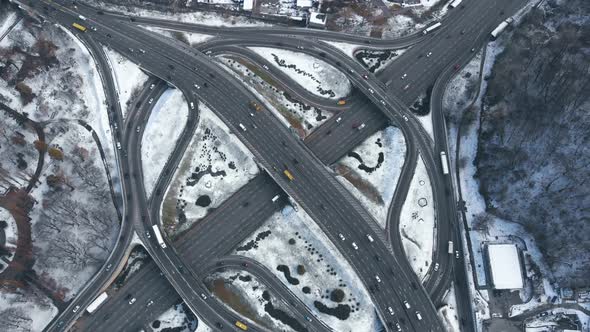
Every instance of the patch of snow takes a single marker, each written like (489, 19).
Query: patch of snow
(167, 120)
(346, 48)
(193, 38)
(325, 269)
(128, 77)
(381, 160)
(376, 60)
(314, 75)
(250, 291)
(292, 112)
(10, 236)
(426, 122)
(461, 88)
(202, 18)
(505, 266)
(215, 165)
(448, 312)
(399, 25)
(417, 221)
(175, 319)
(7, 23)
(26, 310)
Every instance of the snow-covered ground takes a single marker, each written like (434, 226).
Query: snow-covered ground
(448, 312)
(292, 242)
(345, 48)
(294, 113)
(461, 88)
(74, 224)
(550, 322)
(314, 75)
(191, 38)
(417, 224)
(19, 157)
(166, 122)
(215, 165)
(253, 297)
(70, 89)
(129, 78)
(7, 22)
(202, 18)
(175, 319)
(27, 310)
(10, 236)
(371, 171)
(376, 60)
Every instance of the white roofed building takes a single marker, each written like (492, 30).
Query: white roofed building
(248, 5)
(304, 3)
(504, 266)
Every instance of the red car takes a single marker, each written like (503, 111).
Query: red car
(457, 67)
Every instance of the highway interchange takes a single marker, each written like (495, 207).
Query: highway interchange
(315, 189)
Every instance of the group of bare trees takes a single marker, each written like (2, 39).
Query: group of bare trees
(534, 156)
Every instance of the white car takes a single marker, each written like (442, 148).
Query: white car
(370, 238)
(408, 306)
(203, 296)
(355, 246)
(132, 300)
(197, 86)
(152, 86)
(457, 254)
(418, 315)
(390, 309)
(338, 120)
(405, 117)
(382, 102)
(377, 278)
(150, 303)
(265, 67)
(341, 237)
(151, 100)
(147, 234)
(76, 308)
(371, 91)
(138, 129)
(404, 76)
(429, 54)
(436, 267)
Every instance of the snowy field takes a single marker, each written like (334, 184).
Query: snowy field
(10, 236)
(19, 157)
(190, 38)
(371, 171)
(345, 48)
(128, 77)
(313, 269)
(176, 319)
(314, 75)
(215, 165)
(68, 87)
(461, 89)
(376, 60)
(7, 20)
(550, 322)
(253, 298)
(417, 222)
(294, 113)
(202, 18)
(27, 310)
(166, 122)
(74, 223)
(447, 313)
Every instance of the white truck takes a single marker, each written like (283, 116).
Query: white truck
(455, 3)
(97, 303)
(159, 236)
(444, 162)
(450, 247)
(432, 27)
(498, 30)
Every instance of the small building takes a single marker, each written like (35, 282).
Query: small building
(317, 20)
(505, 266)
(304, 3)
(248, 5)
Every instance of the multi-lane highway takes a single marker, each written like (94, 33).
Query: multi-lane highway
(275, 148)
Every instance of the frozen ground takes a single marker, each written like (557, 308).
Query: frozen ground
(556, 316)
(19, 157)
(295, 113)
(128, 77)
(244, 293)
(26, 311)
(448, 312)
(375, 60)
(190, 38)
(461, 89)
(166, 122)
(178, 318)
(314, 75)
(7, 20)
(295, 249)
(371, 171)
(68, 86)
(346, 48)
(202, 18)
(417, 224)
(74, 224)
(9, 234)
(215, 165)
